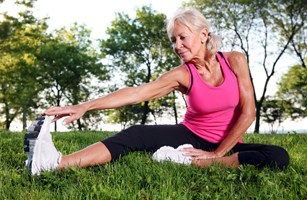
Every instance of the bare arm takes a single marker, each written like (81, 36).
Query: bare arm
(239, 64)
(172, 80)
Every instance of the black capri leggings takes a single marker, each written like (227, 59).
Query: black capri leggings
(152, 137)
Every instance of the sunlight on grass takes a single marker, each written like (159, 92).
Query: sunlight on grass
(137, 176)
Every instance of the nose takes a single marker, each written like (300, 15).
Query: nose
(177, 45)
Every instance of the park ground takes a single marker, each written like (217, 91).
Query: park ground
(137, 176)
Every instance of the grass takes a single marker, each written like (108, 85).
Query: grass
(137, 176)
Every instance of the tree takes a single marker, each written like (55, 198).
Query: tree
(18, 41)
(291, 24)
(167, 63)
(272, 112)
(84, 91)
(266, 27)
(64, 60)
(18, 94)
(137, 50)
(293, 89)
(125, 115)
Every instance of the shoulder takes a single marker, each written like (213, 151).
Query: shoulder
(235, 57)
(177, 72)
(178, 76)
(237, 61)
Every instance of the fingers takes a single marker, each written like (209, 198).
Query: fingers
(201, 157)
(57, 111)
(49, 110)
(58, 117)
(190, 151)
(61, 112)
(193, 154)
(205, 156)
(198, 154)
(69, 119)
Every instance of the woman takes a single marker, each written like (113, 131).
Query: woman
(220, 109)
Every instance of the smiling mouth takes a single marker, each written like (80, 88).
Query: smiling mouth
(182, 53)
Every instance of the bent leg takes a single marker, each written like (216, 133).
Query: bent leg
(227, 161)
(259, 155)
(96, 154)
(262, 155)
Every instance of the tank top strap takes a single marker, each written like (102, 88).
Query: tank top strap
(223, 57)
(191, 69)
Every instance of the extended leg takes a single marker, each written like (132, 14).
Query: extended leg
(135, 138)
(96, 154)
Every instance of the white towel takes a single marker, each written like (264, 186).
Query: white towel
(171, 154)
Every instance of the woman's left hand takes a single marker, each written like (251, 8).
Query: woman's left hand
(198, 154)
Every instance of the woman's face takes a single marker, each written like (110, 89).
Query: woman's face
(186, 44)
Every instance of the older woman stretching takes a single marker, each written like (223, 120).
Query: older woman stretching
(220, 109)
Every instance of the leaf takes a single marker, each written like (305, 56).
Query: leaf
(72, 168)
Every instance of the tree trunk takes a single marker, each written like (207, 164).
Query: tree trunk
(55, 123)
(257, 121)
(7, 117)
(8, 124)
(185, 101)
(146, 107)
(174, 107)
(25, 116)
(145, 112)
(260, 102)
(79, 124)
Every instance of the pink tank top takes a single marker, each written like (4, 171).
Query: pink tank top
(212, 111)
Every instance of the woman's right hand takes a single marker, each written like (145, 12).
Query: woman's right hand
(74, 112)
(198, 154)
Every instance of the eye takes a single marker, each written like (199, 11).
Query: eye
(173, 41)
(182, 38)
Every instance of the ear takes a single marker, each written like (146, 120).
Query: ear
(204, 35)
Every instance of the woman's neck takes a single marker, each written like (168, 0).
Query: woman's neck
(208, 63)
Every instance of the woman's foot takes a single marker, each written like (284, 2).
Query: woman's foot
(38, 145)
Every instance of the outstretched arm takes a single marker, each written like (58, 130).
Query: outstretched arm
(168, 82)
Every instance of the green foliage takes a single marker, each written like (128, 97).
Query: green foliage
(125, 115)
(65, 60)
(18, 42)
(37, 68)
(272, 112)
(138, 50)
(137, 176)
(293, 89)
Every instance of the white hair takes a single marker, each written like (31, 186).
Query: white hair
(195, 22)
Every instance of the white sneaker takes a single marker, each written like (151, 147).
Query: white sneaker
(38, 145)
(171, 154)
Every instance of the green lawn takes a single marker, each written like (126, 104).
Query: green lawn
(136, 176)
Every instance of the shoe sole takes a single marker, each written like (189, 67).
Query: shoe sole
(32, 142)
